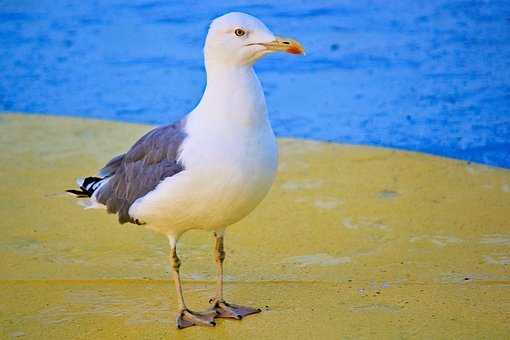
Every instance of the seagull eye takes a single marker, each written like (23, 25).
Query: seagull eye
(239, 32)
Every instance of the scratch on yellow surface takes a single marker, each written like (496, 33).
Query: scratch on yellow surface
(352, 242)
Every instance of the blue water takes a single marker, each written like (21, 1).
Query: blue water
(431, 76)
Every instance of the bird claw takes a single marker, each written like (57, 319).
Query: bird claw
(231, 311)
(187, 318)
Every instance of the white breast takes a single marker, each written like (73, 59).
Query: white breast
(229, 156)
(227, 173)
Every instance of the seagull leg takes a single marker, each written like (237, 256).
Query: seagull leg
(222, 308)
(186, 317)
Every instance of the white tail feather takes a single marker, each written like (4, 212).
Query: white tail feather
(90, 203)
(79, 181)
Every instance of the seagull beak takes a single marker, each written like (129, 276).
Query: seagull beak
(285, 45)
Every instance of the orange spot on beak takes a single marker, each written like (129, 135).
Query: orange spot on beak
(290, 45)
(294, 49)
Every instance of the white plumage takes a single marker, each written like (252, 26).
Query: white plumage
(229, 159)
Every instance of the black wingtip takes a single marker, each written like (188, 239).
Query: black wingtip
(78, 193)
(87, 188)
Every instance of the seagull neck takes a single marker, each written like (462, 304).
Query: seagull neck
(216, 71)
(233, 90)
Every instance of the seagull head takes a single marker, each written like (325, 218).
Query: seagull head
(241, 39)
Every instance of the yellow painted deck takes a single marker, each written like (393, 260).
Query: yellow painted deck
(352, 242)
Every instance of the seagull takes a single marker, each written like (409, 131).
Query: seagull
(208, 170)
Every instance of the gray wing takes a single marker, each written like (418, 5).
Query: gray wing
(133, 174)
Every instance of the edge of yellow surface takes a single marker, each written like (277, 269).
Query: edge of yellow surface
(352, 242)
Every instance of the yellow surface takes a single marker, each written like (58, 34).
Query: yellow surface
(352, 242)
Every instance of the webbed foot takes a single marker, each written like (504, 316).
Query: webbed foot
(229, 310)
(187, 318)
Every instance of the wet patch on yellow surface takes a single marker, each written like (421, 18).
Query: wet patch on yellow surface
(351, 242)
